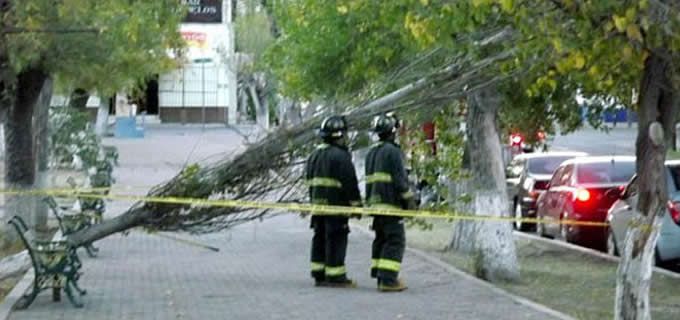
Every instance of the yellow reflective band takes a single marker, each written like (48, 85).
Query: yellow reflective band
(389, 265)
(322, 146)
(318, 266)
(324, 182)
(374, 263)
(407, 195)
(335, 271)
(379, 177)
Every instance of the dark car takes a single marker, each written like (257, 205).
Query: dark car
(527, 176)
(578, 191)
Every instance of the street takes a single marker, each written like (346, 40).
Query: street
(618, 141)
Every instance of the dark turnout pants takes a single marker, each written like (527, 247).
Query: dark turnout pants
(388, 248)
(329, 246)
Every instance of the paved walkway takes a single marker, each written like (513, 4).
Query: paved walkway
(261, 271)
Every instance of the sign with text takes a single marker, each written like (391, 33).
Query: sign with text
(195, 39)
(203, 11)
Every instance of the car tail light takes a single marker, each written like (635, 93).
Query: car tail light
(582, 195)
(516, 139)
(674, 210)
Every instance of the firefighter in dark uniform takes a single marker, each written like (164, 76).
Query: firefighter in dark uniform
(387, 187)
(331, 178)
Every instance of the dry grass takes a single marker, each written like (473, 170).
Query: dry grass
(577, 284)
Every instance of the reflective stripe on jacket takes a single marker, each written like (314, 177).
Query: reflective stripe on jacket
(331, 177)
(386, 180)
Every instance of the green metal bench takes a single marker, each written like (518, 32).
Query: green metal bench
(73, 221)
(55, 265)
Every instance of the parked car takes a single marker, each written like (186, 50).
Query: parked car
(577, 192)
(527, 176)
(625, 208)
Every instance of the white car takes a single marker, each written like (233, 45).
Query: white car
(623, 210)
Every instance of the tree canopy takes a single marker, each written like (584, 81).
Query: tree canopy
(95, 45)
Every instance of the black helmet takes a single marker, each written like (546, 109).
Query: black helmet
(333, 127)
(385, 124)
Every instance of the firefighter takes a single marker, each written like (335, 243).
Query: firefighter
(332, 180)
(387, 186)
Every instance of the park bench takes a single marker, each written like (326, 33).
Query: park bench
(55, 265)
(71, 221)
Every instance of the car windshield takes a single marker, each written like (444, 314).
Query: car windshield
(675, 174)
(605, 172)
(545, 165)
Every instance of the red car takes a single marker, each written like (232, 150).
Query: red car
(578, 191)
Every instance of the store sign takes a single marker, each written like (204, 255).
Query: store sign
(195, 39)
(203, 11)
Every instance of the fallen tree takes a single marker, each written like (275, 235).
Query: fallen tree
(247, 177)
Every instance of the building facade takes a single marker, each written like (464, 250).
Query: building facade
(204, 89)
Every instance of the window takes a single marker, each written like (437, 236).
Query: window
(566, 175)
(675, 174)
(546, 165)
(605, 172)
(556, 180)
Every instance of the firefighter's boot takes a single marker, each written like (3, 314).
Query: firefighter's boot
(391, 286)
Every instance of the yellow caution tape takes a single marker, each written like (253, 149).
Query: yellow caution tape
(314, 209)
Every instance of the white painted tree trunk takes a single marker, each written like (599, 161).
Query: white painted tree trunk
(657, 113)
(494, 254)
(634, 275)
(463, 238)
(102, 117)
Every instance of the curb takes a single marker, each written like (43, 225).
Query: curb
(588, 251)
(451, 269)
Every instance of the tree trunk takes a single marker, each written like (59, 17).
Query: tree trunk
(20, 160)
(463, 238)
(495, 256)
(655, 122)
(79, 99)
(42, 146)
(261, 114)
(243, 105)
(289, 113)
(102, 121)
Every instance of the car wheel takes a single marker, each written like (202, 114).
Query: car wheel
(611, 244)
(564, 232)
(519, 224)
(540, 227)
(657, 260)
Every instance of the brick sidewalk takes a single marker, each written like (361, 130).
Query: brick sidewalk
(261, 271)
